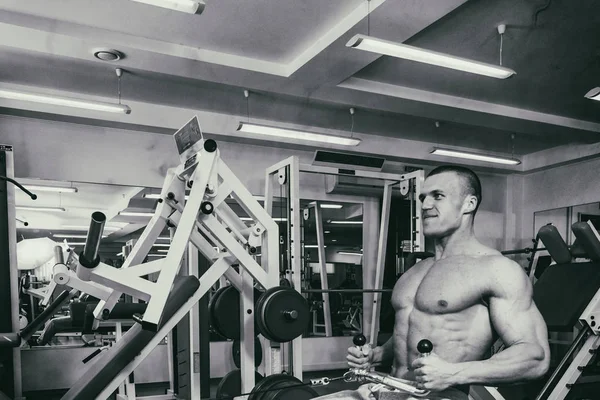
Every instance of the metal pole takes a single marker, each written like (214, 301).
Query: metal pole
(558, 372)
(346, 290)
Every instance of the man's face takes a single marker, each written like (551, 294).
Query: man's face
(442, 204)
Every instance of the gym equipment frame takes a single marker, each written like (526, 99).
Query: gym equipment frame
(287, 172)
(204, 220)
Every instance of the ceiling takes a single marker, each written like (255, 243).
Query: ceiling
(291, 55)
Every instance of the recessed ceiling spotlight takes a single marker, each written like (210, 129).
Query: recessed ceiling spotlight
(108, 54)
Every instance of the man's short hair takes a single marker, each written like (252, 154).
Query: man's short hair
(471, 185)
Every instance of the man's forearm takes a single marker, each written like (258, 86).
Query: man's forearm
(517, 363)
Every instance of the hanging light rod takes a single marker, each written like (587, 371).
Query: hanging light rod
(475, 156)
(187, 6)
(593, 94)
(380, 46)
(295, 134)
(64, 101)
(43, 209)
(60, 189)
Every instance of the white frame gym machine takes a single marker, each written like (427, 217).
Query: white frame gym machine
(207, 222)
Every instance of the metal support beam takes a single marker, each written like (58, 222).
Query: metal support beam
(386, 203)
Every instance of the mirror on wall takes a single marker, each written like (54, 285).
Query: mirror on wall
(563, 218)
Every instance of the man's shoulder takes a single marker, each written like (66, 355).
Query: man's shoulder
(505, 275)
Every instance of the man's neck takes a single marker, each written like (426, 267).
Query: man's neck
(459, 242)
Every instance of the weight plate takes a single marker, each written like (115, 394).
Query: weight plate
(225, 312)
(211, 309)
(236, 352)
(283, 314)
(231, 384)
(262, 388)
(290, 389)
(295, 393)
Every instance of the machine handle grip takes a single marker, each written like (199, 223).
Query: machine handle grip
(89, 256)
(425, 347)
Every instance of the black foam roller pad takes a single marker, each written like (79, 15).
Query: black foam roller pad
(588, 240)
(555, 244)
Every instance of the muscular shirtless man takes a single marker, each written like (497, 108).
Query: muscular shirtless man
(461, 300)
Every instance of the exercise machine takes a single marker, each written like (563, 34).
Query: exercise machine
(568, 296)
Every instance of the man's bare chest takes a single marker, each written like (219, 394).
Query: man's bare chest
(443, 288)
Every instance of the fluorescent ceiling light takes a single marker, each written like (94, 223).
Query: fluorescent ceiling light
(334, 206)
(350, 253)
(334, 240)
(295, 134)
(161, 245)
(75, 243)
(274, 219)
(64, 101)
(187, 6)
(45, 209)
(474, 156)
(412, 53)
(346, 222)
(157, 255)
(162, 251)
(62, 235)
(327, 232)
(157, 196)
(163, 238)
(313, 246)
(136, 214)
(36, 188)
(119, 254)
(593, 94)
(85, 228)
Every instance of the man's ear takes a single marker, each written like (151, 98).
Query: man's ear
(470, 204)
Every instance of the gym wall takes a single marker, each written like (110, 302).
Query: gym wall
(563, 186)
(64, 151)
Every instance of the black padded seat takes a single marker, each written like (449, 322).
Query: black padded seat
(563, 291)
(110, 364)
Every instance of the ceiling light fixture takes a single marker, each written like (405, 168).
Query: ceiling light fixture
(350, 253)
(312, 246)
(136, 214)
(332, 206)
(62, 235)
(156, 196)
(380, 46)
(85, 228)
(37, 188)
(593, 94)
(44, 209)
(346, 222)
(64, 101)
(187, 6)
(475, 156)
(295, 134)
